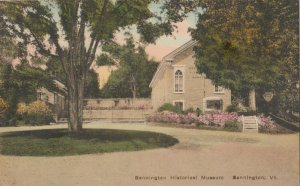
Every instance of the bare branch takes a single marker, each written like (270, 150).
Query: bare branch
(92, 57)
(91, 53)
(90, 50)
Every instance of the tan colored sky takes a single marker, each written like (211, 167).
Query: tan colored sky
(103, 74)
(162, 47)
(157, 51)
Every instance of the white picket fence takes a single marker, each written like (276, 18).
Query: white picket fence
(250, 123)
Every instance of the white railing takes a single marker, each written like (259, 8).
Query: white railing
(250, 123)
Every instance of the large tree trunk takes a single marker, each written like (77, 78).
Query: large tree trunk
(75, 102)
(252, 100)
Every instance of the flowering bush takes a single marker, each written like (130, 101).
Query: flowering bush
(227, 120)
(21, 108)
(3, 105)
(36, 112)
(38, 107)
(265, 124)
(213, 119)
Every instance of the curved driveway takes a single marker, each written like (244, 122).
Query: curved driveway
(201, 158)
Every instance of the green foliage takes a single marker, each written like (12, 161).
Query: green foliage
(198, 111)
(172, 108)
(117, 85)
(169, 107)
(91, 89)
(189, 110)
(246, 45)
(232, 126)
(84, 27)
(59, 142)
(232, 108)
(105, 60)
(134, 73)
(19, 84)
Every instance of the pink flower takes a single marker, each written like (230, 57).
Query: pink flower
(215, 119)
(265, 123)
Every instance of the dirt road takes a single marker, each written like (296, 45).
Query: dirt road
(201, 158)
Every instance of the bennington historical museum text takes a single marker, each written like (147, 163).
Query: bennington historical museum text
(234, 177)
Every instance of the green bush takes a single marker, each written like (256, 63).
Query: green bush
(189, 110)
(37, 119)
(169, 107)
(232, 108)
(233, 126)
(249, 113)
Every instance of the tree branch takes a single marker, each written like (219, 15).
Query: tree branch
(92, 57)
(80, 41)
(90, 50)
(41, 47)
(91, 53)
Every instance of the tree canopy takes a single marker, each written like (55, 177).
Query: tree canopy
(72, 31)
(20, 83)
(246, 45)
(134, 73)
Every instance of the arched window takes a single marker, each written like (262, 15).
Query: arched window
(178, 81)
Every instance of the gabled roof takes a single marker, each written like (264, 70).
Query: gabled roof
(168, 59)
(177, 51)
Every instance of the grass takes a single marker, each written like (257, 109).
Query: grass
(59, 142)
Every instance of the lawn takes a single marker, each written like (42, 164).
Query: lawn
(58, 142)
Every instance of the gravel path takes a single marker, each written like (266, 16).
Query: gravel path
(201, 158)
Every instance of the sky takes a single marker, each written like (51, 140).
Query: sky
(166, 44)
(163, 46)
(157, 51)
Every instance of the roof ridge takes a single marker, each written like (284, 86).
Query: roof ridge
(179, 49)
(170, 56)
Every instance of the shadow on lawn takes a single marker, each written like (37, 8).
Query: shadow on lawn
(59, 142)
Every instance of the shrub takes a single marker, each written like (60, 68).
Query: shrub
(35, 113)
(169, 107)
(265, 124)
(232, 108)
(21, 108)
(189, 110)
(220, 118)
(234, 126)
(3, 106)
(3, 113)
(212, 119)
(248, 113)
(39, 108)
